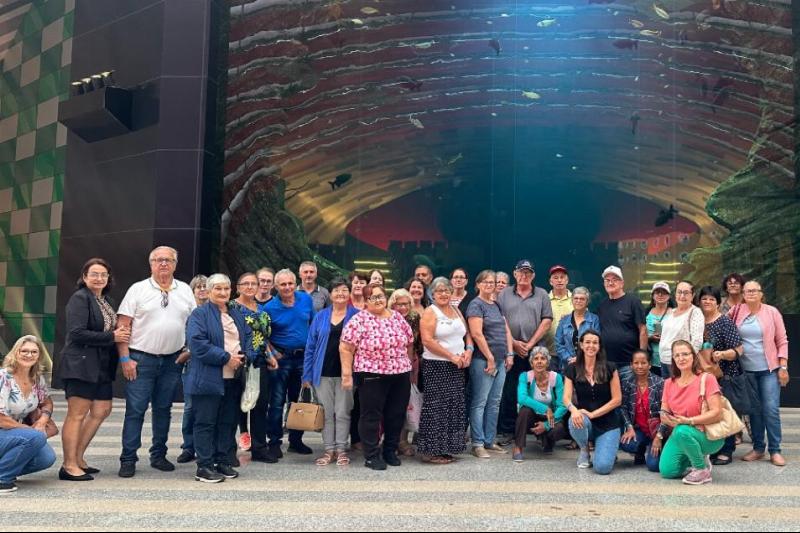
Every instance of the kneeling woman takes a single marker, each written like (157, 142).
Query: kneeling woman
(682, 406)
(540, 394)
(641, 402)
(595, 416)
(218, 339)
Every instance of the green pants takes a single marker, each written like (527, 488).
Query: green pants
(686, 447)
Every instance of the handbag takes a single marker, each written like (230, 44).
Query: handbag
(738, 391)
(51, 429)
(306, 416)
(414, 412)
(252, 388)
(730, 424)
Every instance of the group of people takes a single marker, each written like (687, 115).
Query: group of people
(484, 370)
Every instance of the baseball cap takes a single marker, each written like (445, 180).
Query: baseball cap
(661, 285)
(613, 271)
(524, 264)
(558, 268)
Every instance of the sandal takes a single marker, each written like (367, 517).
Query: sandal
(342, 459)
(721, 460)
(572, 446)
(438, 460)
(326, 459)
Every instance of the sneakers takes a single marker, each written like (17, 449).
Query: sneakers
(186, 456)
(274, 453)
(584, 459)
(245, 442)
(206, 475)
(162, 464)
(480, 452)
(8, 488)
(127, 470)
(227, 472)
(300, 448)
(697, 477)
(376, 463)
(392, 459)
(496, 448)
(639, 459)
(263, 457)
(517, 457)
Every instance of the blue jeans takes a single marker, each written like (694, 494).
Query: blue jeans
(486, 392)
(187, 427)
(156, 382)
(769, 418)
(606, 445)
(23, 451)
(287, 379)
(641, 445)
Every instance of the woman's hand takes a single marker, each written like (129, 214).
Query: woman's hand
(41, 424)
(577, 419)
(183, 357)
(467, 355)
(539, 429)
(783, 377)
(682, 421)
(628, 436)
(668, 420)
(122, 334)
(655, 447)
(589, 415)
(235, 361)
(347, 382)
(272, 363)
(491, 367)
(551, 419)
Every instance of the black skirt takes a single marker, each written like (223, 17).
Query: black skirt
(442, 426)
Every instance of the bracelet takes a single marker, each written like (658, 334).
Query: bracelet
(48, 413)
(125, 359)
(510, 354)
(469, 348)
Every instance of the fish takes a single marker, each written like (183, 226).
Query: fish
(494, 44)
(369, 10)
(665, 215)
(661, 12)
(339, 181)
(546, 23)
(531, 95)
(635, 118)
(651, 33)
(638, 24)
(416, 123)
(626, 44)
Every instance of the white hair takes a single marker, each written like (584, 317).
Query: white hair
(217, 279)
(171, 249)
(285, 272)
(539, 350)
(441, 282)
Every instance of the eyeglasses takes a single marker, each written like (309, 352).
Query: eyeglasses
(682, 355)
(487, 282)
(402, 304)
(265, 281)
(249, 284)
(163, 261)
(752, 291)
(442, 291)
(459, 277)
(376, 299)
(97, 275)
(683, 293)
(29, 352)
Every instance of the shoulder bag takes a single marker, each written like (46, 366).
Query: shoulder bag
(730, 424)
(306, 416)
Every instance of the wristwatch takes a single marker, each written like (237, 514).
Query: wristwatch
(785, 368)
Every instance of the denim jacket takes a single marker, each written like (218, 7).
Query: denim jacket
(565, 331)
(629, 390)
(317, 343)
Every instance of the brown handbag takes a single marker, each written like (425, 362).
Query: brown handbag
(306, 416)
(51, 429)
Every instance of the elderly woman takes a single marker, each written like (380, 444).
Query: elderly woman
(419, 293)
(594, 381)
(322, 369)
(503, 279)
(684, 323)
(574, 325)
(25, 410)
(682, 410)
(660, 304)
(358, 282)
(732, 287)
(88, 365)
(375, 276)
(221, 343)
(377, 345)
(641, 405)
(448, 351)
(540, 395)
(198, 286)
(493, 342)
(765, 359)
(401, 301)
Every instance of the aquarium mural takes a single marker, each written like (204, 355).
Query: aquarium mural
(657, 135)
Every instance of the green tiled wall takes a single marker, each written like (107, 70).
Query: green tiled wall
(33, 80)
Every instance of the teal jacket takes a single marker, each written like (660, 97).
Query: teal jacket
(525, 396)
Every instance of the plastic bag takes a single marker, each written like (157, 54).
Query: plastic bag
(252, 388)
(414, 410)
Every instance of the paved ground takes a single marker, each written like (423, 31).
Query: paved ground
(538, 495)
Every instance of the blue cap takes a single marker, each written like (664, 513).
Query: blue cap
(524, 264)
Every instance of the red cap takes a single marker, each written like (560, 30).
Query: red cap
(559, 268)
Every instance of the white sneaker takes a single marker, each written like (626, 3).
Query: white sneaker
(584, 460)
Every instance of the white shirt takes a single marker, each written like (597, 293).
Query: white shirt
(674, 328)
(450, 333)
(156, 329)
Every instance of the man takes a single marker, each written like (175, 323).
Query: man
(424, 273)
(529, 315)
(622, 322)
(291, 313)
(156, 311)
(561, 302)
(320, 295)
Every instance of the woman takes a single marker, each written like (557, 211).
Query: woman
(448, 351)
(492, 336)
(375, 276)
(684, 323)
(681, 409)
(595, 414)
(198, 286)
(503, 279)
(419, 293)
(641, 405)
(574, 325)
(266, 283)
(259, 325)
(220, 343)
(376, 345)
(660, 304)
(540, 395)
(322, 369)
(23, 395)
(401, 301)
(726, 348)
(732, 287)
(88, 365)
(765, 359)
(459, 280)
(358, 281)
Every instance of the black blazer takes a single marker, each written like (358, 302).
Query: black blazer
(87, 344)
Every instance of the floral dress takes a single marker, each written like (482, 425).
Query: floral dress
(13, 403)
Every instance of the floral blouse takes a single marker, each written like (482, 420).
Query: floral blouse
(381, 343)
(13, 404)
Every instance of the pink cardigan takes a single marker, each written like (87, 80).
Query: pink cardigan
(776, 343)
